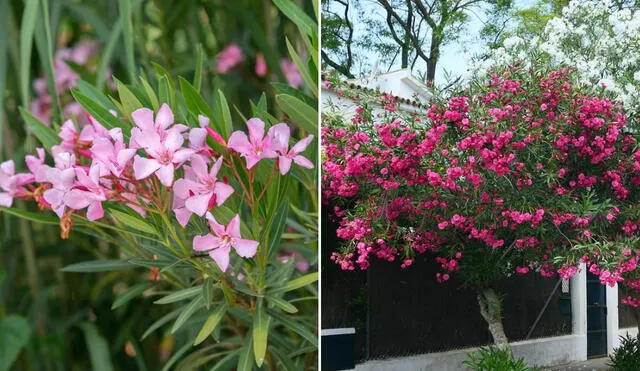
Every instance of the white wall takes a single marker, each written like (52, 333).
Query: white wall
(550, 351)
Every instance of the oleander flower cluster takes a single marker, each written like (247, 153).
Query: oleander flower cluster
(156, 166)
(507, 179)
(597, 37)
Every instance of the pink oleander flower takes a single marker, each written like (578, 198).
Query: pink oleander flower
(61, 178)
(87, 193)
(257, 146)
(261, 65)
(12, 183)
(111, 157)
(281, 134)
(37, 166)
(165, 156)
(146, 125)
(291, 73)
(204, 190)
(204, 123)
(228, 58)
(222, 239)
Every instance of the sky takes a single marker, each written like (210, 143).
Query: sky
(454, 56)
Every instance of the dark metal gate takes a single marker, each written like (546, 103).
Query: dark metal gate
(596, 317)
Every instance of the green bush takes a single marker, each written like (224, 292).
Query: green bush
(627, 356)
(492, 359)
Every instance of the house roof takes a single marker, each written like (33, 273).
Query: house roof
(401, 84)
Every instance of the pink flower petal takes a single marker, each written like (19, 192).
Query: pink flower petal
(280, 134)
(182, 215)
(303, 161)
(203, 121)
(245, 248)
(164, 117)
(143, 167)
(198, 204)
(182, 188)
(216, 227)
(173, 141)
(143, 118)
(5, 199)
(165, 174)
(284, 163)
(233, 228)
(197, 137)
(95, 211)
(256, 129)
(182, 155)
(238, 142)
(302, 145)
(222, 191)
(205, 242)
(124, 156)
(199, 168)
(77, 199)
(221, 257)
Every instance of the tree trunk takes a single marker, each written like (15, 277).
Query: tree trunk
(491, 310)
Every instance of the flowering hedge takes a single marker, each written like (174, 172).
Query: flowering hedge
(507, 178)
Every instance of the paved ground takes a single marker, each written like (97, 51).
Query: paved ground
(592, 364)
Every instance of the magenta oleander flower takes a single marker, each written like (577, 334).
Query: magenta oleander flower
(228, 58)
(204, 190)
(12, 183)
(281, 134)
(61, 178)
(146, 125)
(221, 239)
(257, 146)
(291, 73)
(166, 156)
(87, 193)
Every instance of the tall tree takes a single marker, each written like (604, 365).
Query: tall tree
(413, 30)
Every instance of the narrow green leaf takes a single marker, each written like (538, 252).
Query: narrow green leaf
(127, 31)
(245, 363)
(107, 54)
(277, 226)
(222, 364)
(131, 293)
(297, 283)
(225, 113)
(45, 50)
(150, 94)
(129, 101)
(300, 112)
(161, 322)
(14, 335)
(210, 324)
(180, 295)
(45, 134)
(303, 70)
(34, 217)
(260, 332)
(27, 28)
(187, 312)
(132, 221)
(305, 24)
(207, 292)
(98, 266)
(97, 346)
(197, 74)
(295, 326)
(95, 94)
(166, 93)
(283, 304)
(176, 356)
(195, 103)
(101, 114)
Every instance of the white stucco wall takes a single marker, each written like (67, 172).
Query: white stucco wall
(549, 351)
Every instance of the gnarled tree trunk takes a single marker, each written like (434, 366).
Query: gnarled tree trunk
(491, 310)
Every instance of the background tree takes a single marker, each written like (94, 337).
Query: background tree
(403, 33)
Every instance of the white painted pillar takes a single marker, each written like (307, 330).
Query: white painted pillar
(579, 301)
(613, 340)
(578, 290)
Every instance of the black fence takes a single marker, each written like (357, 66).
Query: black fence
(399, 312)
